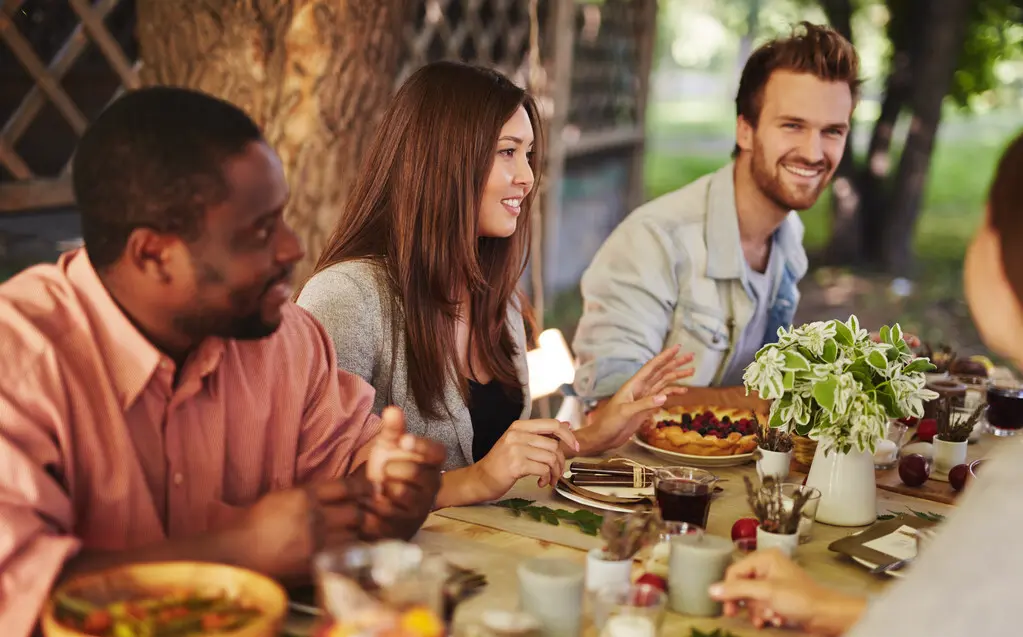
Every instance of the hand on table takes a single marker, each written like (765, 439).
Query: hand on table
(284, 529)
(527, 448)
(637, 400)
(776, 591)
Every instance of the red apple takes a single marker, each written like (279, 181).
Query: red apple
(744, 527)
(653, 580)
(957, 476)
(926, 430)
(914, 470)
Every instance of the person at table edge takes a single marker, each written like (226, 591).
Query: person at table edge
(714, 266)
(160, 398)
(972, 565)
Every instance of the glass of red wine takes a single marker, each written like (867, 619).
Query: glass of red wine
(1004, 412)
(683, 494)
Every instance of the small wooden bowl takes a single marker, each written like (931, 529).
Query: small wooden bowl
(157, 578)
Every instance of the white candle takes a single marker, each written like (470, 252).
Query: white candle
(629, 626)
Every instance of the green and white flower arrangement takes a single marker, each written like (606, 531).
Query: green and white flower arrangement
(830, 381)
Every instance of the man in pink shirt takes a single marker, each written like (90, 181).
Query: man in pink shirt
(160, 397)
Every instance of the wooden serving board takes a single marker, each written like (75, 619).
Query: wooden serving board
(933, 490)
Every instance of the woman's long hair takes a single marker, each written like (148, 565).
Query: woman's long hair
(415, 209)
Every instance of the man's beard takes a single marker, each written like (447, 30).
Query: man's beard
(202, 324)
(204, 321)
(773, 188)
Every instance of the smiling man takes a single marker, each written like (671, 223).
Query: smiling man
(714, 266)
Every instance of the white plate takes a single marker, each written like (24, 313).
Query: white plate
(578, 499)
(695, 461)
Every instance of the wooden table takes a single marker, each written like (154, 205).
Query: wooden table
(492, 540)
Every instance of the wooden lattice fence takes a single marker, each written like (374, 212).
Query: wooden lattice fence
(62, 61)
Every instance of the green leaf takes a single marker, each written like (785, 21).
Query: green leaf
(831, 350)
(514, 503)
(919, 365)
(877, 360)
(535, 512)
(804, 430)
(794, 362)
(886, 335)
(789, 380)
(824, 393)
(843, 334)
(564, 514)
(551, 518)
(886, 516)
(896, 334)
(929, 516)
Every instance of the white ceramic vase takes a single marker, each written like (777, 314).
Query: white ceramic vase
(847, 486)
(784, 542)
(774, 463)
(948, 454)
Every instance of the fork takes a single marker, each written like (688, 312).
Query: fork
(894, 566)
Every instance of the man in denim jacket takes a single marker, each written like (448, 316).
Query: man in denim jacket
(715, 265)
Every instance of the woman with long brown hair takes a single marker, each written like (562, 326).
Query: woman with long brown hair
(418, 285)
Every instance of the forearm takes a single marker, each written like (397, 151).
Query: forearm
(838, 613)
(464, 486)
(225, 547)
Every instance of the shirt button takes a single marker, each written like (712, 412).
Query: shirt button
(178, 479)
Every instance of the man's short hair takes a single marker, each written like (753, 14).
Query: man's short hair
(154, 159)
(811, 48)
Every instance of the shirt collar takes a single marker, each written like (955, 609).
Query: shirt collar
(130, 358)
(724, 248)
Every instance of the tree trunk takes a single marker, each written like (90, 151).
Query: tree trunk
(945, 26)
(873, 177)
(314, 74)
(845, 245)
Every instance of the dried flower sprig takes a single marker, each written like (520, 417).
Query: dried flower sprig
(953, 427)
(769, 507)
(772, 438)
(625, 534)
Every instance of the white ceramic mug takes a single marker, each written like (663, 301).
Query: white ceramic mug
(774, 463)
(784, 542)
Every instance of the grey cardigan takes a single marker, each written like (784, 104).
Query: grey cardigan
(351, 300)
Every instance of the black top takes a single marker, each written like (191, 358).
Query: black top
(492, 411)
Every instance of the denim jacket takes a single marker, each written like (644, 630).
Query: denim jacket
(673, 272)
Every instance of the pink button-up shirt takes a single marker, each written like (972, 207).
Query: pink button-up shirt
(100, 449)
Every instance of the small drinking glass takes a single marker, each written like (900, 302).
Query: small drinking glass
(684, 494)
(633, 610)
(370, 586)
(887, 454)
(1004, 413)
(808, 514)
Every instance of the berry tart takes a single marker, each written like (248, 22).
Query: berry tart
(702, 431)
